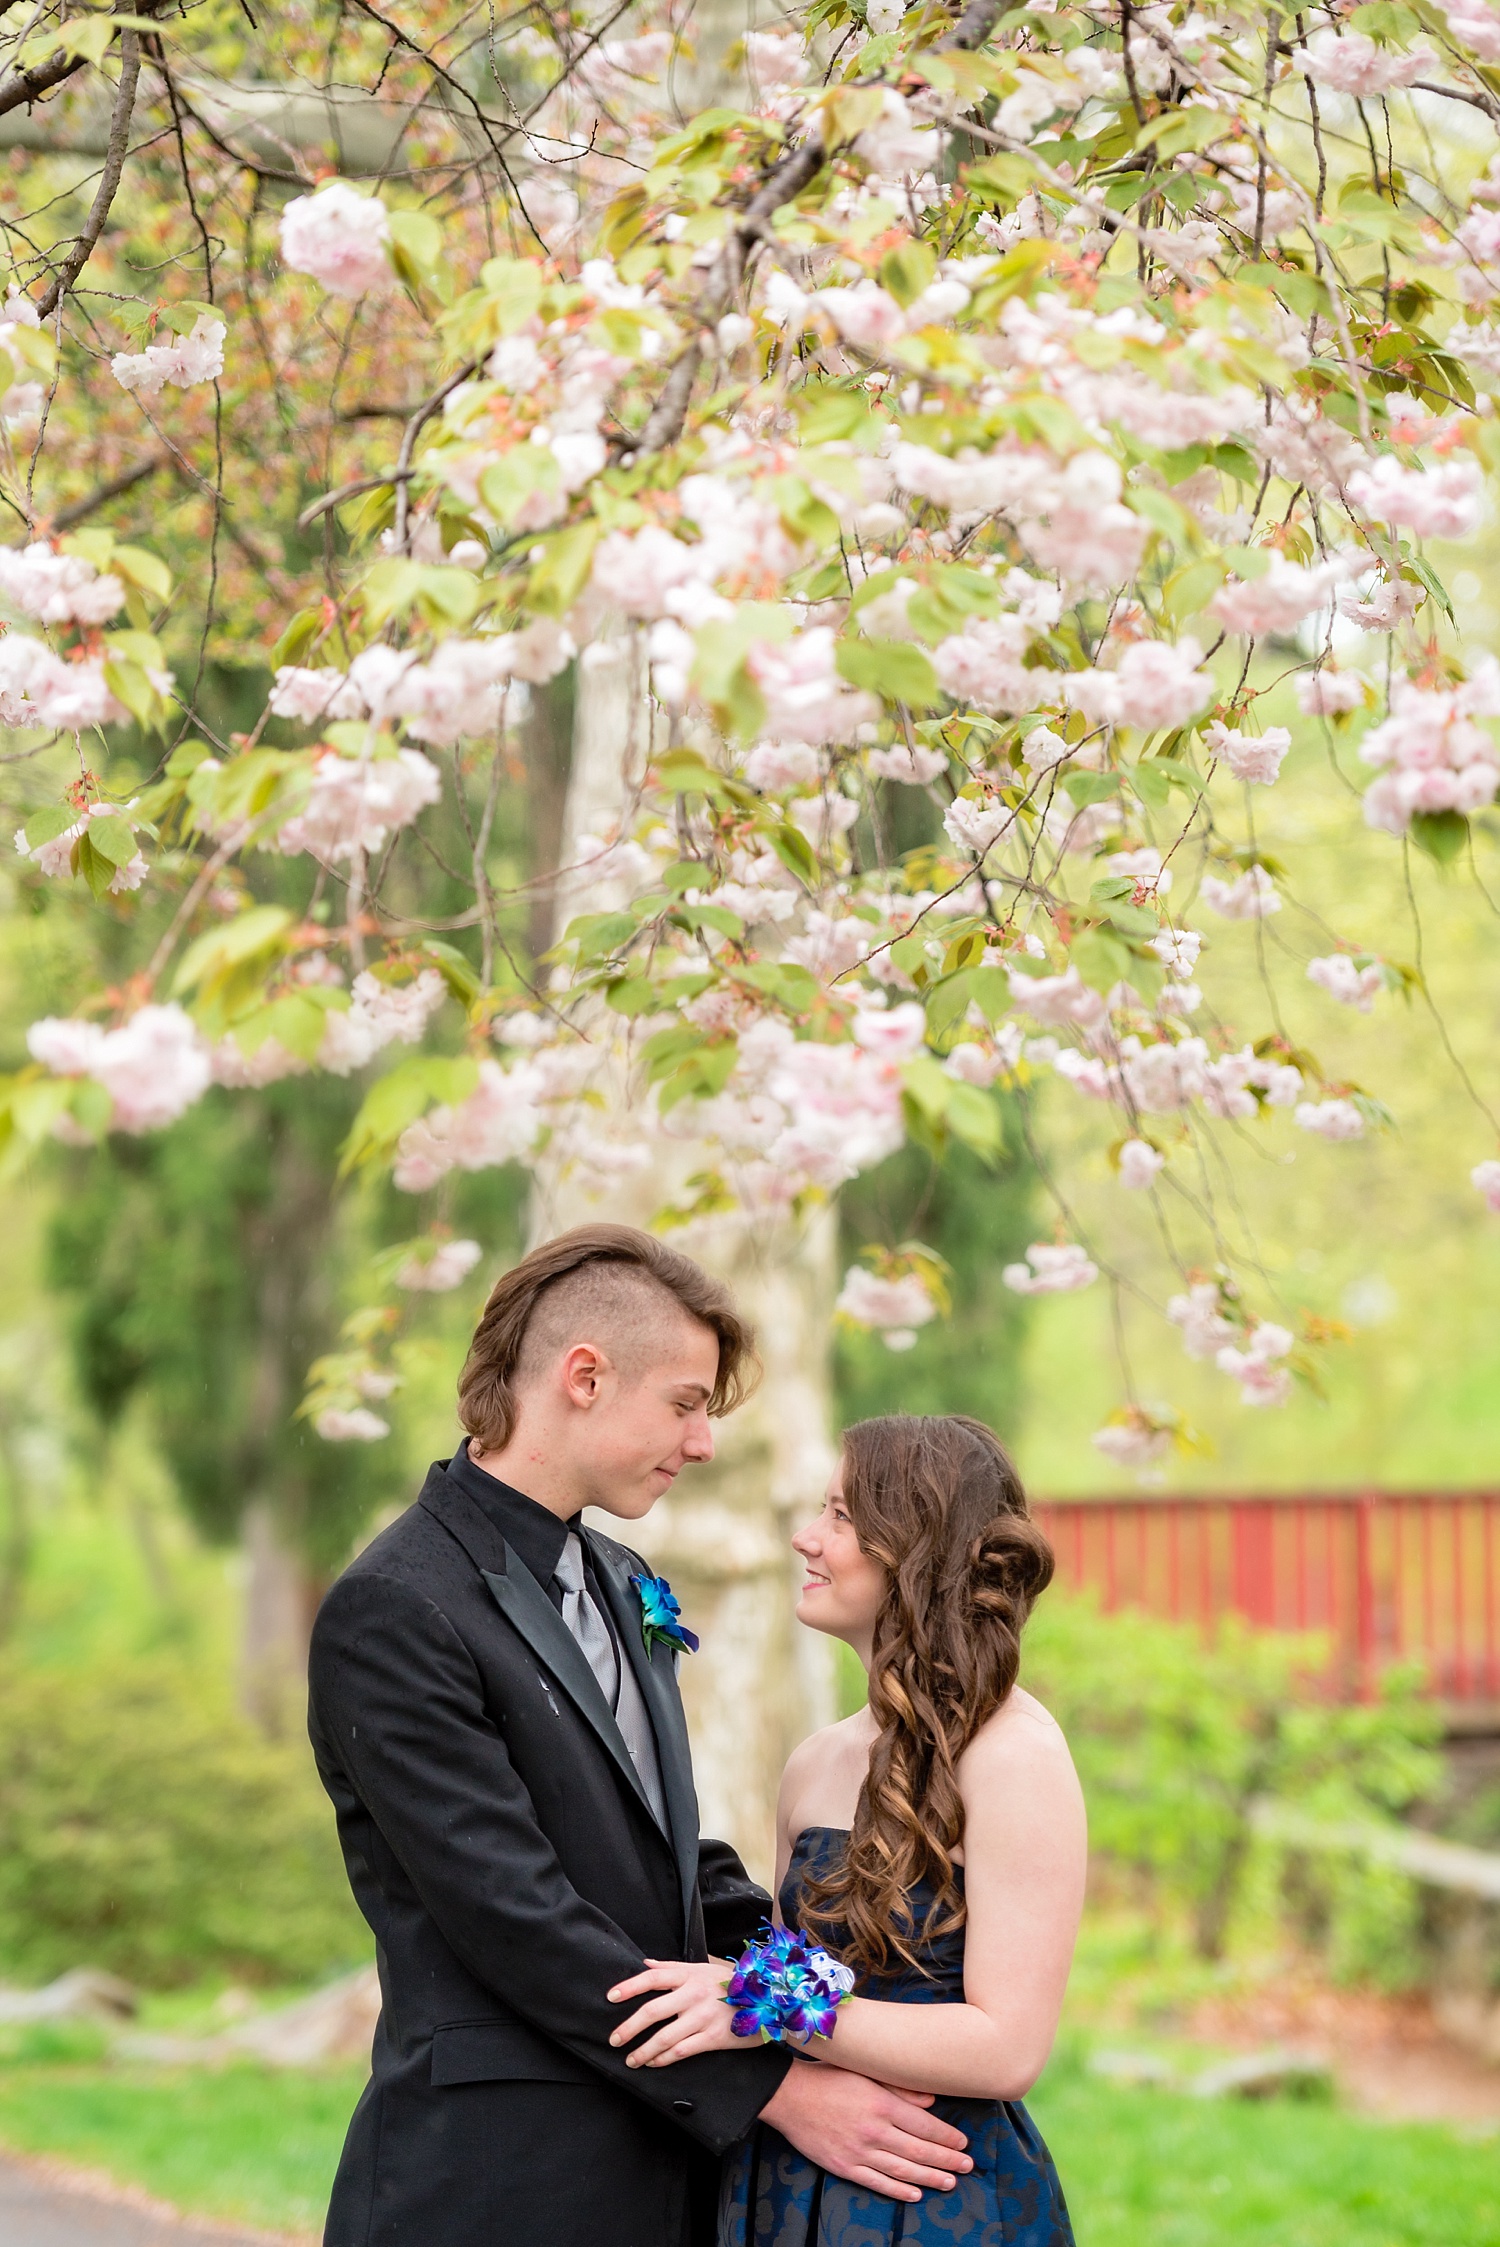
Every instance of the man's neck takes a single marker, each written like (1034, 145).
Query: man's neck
(523, 1468)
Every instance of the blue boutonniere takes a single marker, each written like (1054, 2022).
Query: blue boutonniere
(660, 1615)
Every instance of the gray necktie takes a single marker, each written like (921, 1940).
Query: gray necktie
(585, 1621)
(616, 1678)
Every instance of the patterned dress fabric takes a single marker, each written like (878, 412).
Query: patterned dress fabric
(772, 2197)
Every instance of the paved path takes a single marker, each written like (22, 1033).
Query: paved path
(42, 2206)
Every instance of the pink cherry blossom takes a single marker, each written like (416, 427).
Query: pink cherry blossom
(183, 362)
(355, 803)
(1475, 26)
(68, 1048)
(340, 238)
(897, 146)
(1249, 897)
(974, 1064)
(1389, 602)
(356, 1426)
(1345, 980)
(1485, 1178)
(1155, 684)
(1328, 694)
(57, 588)
(1330, 1119)
(1139, 1163)
(830, 945)
(269, 1063)
(1049, 1270)
(777, 765)
(1442, 502)
(1434, 755)
(864, 315)
(498, 1123)
(895, 1307)
(1199, 1313)
(977, 823)
(1349, 63)
(912, 765)
(154, 1067)
(635, 570)
(1060, 1002)
(891, 1035)
(1251, 757)
(1262, 1381)
(1277, 601)
(1133, 1441)
(982, 664)
(1163, 1078)
(450, 1263)
(805, 698)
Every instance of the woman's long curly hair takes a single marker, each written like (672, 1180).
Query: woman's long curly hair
(939, 1505)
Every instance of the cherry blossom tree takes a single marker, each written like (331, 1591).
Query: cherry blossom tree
(1054, 419)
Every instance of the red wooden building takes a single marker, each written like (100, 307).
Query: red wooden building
(1390, 1576)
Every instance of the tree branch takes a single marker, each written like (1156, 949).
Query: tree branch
(126, 481)
(114, 162)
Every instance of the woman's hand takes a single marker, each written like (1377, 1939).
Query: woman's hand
(689, 2015)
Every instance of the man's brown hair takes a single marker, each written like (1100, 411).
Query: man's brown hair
(594, 1270)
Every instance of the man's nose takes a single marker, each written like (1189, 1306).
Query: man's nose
(698, 1443)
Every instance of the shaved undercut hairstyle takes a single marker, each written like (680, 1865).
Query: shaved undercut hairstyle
(608, 1284)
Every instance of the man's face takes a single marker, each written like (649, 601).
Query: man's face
(642, 1427)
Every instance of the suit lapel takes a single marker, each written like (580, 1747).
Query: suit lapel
(526, 1607)
(658, 1683)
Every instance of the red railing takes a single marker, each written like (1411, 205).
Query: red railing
(1388, 1576)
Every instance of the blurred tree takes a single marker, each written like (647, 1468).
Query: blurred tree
(202, 1269)
(978, 1219)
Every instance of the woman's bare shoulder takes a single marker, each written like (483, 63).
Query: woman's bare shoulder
(830, 1744)
(1021, 1734)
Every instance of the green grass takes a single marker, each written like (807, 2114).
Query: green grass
(244, 2144)
(1145, 2169)
(1141, 2169)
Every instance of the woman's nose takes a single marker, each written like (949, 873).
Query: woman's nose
(806, 1542)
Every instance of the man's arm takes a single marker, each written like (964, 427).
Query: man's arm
(735, 1908)
(882, 2139)
(399, 1702)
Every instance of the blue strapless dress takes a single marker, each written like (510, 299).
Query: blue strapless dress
(772, 2197)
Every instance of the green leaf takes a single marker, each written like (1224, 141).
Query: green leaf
(142, 569)
(1440, 834)
(417, 249)
(244, 938)
(974, 1118)
(892, 668)
(795, 852)
(635, 994)
(1091, 787)
(298, 636)
(113, 838)
(444, 594)
(97, 870)
(187, 757)
(456, 971)
(597, 936)
(46, 826)
(796, 988)
(1102, 960)
(906, 271)
(560, 576)
(928, 1087)
(396, 1100)
(682, 772)
(129, 683)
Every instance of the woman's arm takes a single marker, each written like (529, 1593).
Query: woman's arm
(1025, 1851)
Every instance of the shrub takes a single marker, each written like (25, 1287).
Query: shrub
(147, 1828)
(1176, 1739)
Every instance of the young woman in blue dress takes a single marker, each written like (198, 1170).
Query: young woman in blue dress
(934, 1843)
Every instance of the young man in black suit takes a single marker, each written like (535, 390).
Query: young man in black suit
(509, 1763)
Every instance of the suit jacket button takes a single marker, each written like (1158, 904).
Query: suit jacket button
(682, 2106)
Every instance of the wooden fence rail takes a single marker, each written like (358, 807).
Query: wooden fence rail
(1389, 1576)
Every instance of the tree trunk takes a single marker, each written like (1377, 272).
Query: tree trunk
(760, 1682)
(273, 1647)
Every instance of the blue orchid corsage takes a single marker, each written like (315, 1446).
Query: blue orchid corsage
(660, 1616)
(786, 1987)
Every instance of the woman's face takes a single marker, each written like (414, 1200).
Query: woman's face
(844, 1589)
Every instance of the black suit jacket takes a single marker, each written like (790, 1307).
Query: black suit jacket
(502, 1849)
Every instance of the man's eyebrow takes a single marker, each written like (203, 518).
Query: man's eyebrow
(699, 1388)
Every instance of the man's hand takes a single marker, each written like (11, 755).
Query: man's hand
(882, 2139)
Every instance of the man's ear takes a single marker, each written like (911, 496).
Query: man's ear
(582, 1372)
